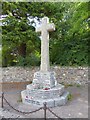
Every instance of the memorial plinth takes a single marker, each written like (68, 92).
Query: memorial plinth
(44, 87)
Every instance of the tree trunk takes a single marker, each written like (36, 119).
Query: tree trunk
(22, 50)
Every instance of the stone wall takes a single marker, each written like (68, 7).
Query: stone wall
(63, 74)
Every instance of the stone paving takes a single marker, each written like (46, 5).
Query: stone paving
(77, 107)
(7, 114)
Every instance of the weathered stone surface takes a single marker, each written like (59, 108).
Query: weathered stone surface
(45, 28)
(62, 100)
(44, 79)
(44, 87)
(57, 91)
(51, 102)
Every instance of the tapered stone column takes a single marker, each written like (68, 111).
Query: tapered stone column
(45, 28)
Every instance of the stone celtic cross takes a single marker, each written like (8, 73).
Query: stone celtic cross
(45, 28)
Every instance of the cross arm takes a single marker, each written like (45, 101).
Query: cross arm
(51, 27)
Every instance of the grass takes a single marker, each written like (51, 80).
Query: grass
(70, 96)
(70, 85)
(78, 85)
(19, 100)
(66, 84)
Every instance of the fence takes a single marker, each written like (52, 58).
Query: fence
(45, 108)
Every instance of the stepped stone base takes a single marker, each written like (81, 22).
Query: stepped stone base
(45, 89)
(56, 91)
(51, 102)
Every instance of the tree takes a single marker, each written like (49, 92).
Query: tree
(68, 44)
(72, 40)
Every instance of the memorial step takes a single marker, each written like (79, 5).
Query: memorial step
(45, 93)
(58, 101)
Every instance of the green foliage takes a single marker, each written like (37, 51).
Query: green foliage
(70, 96)
(0, 58)
(68, 44)
(72, 37)
(78, 85)
(7, 56)
(21, 61)
(32, 60)
(19, 100)
(67, 84)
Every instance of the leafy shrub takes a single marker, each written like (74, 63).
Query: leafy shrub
(28, 61)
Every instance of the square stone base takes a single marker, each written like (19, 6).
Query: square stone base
(44, 79)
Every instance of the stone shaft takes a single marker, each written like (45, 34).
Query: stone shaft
(45, 28)
(45, 51)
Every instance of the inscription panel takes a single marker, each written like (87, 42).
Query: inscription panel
(45, 79)
(32, 101)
